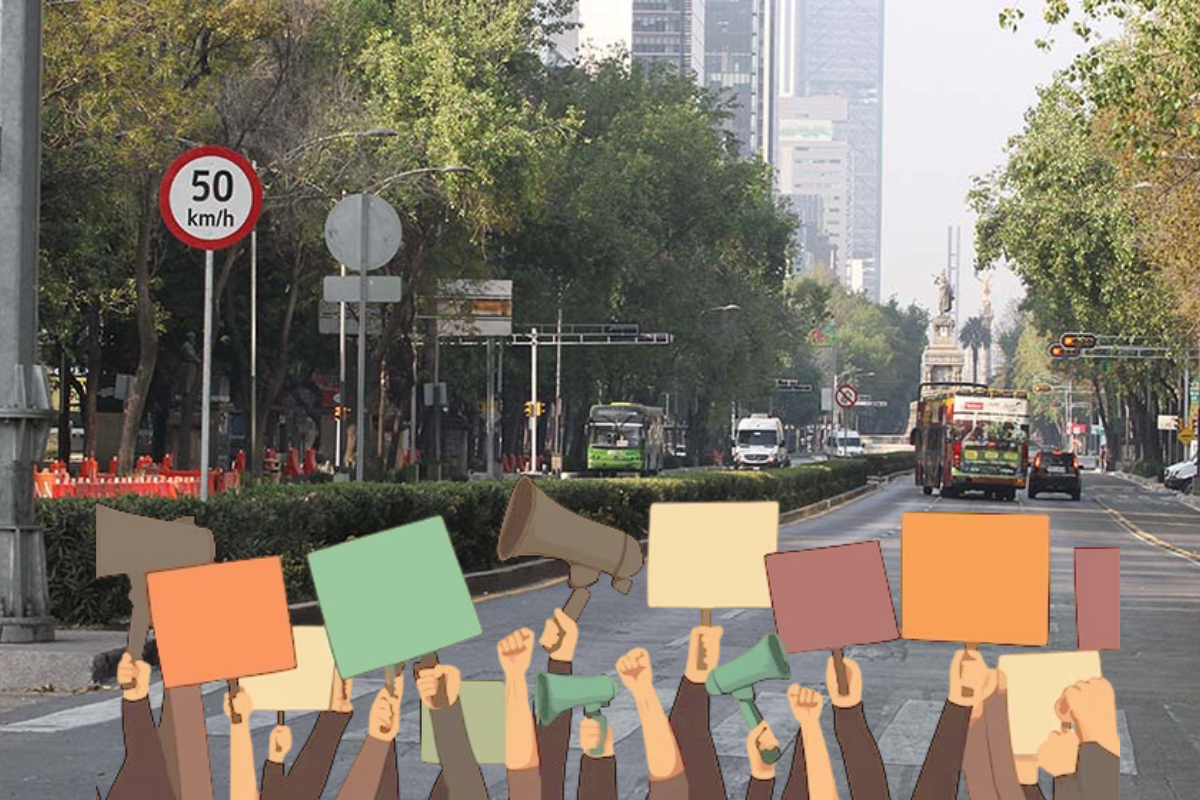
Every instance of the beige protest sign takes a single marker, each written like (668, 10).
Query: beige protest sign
(1035, 683)
(710, 555)
(308, 687)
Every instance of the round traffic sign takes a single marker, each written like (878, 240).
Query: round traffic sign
(210, 198)
(344, 232)
(846, 396)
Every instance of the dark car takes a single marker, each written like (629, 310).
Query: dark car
(1054, 471)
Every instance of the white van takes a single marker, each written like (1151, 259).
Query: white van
(760, 443)
(843, 444)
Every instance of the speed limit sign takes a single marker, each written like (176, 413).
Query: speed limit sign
(210, 198)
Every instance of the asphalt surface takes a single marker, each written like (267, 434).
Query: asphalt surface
(64, 747)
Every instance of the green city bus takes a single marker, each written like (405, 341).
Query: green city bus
(625, 437)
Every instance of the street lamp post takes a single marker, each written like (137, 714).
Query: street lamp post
(25, 412)
(733, 409)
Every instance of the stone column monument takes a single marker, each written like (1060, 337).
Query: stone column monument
(942, 361)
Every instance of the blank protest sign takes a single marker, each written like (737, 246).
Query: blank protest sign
(710, 555)
(393, 596)
(308, 687)
(221, 621)
(979, 578)
(1035, 683)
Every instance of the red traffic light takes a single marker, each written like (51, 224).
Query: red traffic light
(1041, 388)
(1058, 351)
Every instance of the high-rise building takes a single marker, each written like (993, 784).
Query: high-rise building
(595, 28)
(670, 32)
(835, 47)
(813, 165)
(739, 42)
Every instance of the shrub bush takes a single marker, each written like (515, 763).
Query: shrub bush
(292, 521)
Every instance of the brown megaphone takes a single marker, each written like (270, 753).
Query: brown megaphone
(535, 525)
(128, 544)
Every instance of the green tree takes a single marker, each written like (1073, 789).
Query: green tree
(974, 335)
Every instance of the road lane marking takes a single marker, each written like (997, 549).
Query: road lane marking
(97, 713)
(1149, 538)
(1128, 763)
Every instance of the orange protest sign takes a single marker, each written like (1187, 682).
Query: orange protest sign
(977, 578)
(221, 621)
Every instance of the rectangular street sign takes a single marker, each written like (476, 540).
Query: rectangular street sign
(871, 404)
(348, 289)
(826, 398)
(1195, 391)
(327, 322)
(475, 290)
(1168, 422)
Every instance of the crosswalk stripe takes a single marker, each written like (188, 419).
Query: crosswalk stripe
(907, 737)
(729, 736)
(96, 713)
(218, 724)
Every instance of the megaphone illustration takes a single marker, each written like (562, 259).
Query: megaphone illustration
(535, 525)
(128, 544)
(766, 661)
(554, 694)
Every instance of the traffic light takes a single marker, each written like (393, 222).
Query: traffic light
(528, 409)
(1042, 388)
(531, 411)
(338, 411)
(541, 409)
(1078, 341)
(1059, 351)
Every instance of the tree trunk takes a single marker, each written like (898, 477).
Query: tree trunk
(64, 407)
(135, 403)
(279, 371)
(94, 366)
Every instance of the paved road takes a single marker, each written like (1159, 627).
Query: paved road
(62, 748)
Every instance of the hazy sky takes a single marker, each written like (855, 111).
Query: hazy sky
(955, 89)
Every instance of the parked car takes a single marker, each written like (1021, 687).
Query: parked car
(1054, 471)
(1181, 475)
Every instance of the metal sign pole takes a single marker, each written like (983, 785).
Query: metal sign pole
(253, 346)
(341, 401)
(206, 380)
(533, 399)
(490, 418)
(360, 399)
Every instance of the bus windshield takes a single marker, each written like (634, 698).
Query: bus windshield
(758, 438)
(608, 434)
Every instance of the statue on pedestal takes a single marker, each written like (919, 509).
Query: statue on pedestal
(945, 294)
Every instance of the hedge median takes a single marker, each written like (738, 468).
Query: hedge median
(292, 521)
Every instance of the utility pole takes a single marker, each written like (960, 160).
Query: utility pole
(558, 388)
(25, 412)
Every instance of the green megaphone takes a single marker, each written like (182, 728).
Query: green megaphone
(766, 661)
(554, 694)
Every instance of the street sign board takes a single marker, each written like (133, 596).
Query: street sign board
(210, 197)
(846, 396)
(871, 403)
(826, 399)
(1195, 391)
(344, 232)
(1168, 422)
(474, 308)
(348, 289)
(327, 321)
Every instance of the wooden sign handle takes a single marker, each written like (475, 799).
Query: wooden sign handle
(970, 647)
(706, 617)
(702, 654)
(839, 669)
(280, 718)
(234, 717)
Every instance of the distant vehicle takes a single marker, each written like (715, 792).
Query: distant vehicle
(760, 443)
(625, 437)
(843, 444)
(1180, 475)
(1055, 471)
(972, 439)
